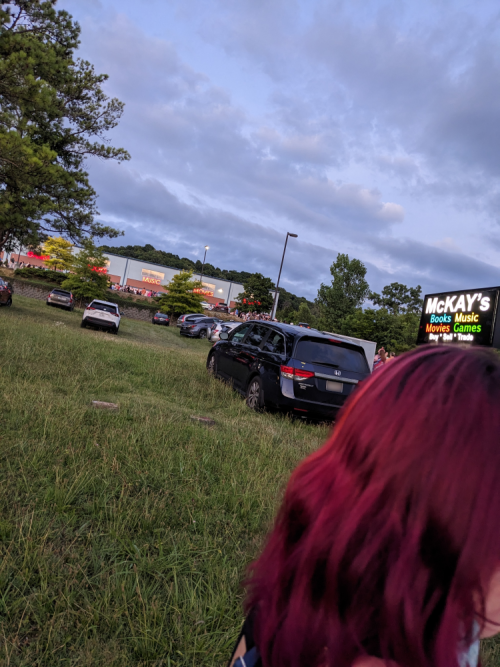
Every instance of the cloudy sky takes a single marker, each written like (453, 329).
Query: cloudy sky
(370, 128)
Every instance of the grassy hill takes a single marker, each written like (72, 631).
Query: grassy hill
(124, 535)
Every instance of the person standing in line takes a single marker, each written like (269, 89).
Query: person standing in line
(386, 549)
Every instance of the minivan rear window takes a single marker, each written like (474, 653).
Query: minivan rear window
(335, 355)
(61, 292)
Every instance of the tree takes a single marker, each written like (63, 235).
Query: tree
(396, 333)
(89, 278)
(53, 114)
(399, 299)
(256, 296)
(180, 297)
(60, 251)
(348, 291)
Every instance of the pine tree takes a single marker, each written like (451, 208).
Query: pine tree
(53, 114)
(180, 297)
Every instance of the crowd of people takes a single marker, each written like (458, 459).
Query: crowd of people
(135, 290)
(253, 316)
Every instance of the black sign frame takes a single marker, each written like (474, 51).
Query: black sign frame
(461, 318)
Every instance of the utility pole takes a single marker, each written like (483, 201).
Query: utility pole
(273, 312)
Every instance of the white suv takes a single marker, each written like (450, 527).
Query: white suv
(102, 314)
(214, 334)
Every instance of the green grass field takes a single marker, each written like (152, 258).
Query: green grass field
(124, 536)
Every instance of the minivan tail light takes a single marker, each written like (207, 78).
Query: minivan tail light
(292, 373)
(303, 375)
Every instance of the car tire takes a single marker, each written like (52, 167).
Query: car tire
(83, 324)
(255, 394)
(115, 331)
(203, 333)
(9, 302)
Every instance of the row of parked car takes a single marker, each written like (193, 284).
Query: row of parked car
(285, 367)
(102, 314)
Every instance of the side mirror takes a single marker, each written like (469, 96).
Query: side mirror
(223, 335)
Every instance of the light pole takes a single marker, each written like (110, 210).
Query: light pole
(273, 312)
(203, 265)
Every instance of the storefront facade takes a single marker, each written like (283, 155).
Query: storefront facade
(126, 271)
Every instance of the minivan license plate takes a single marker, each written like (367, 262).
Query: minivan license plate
(334, 386)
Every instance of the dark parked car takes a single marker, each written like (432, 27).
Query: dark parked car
(61, 297)
(288, 367)
(221, 308)
(161, 318)
(199, 328)
(5, 293)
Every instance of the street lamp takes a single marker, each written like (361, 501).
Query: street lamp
(273, 312)
(203, 265)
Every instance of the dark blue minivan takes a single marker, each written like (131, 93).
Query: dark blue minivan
(289, 367)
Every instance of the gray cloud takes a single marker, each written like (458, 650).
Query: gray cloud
(361, 105)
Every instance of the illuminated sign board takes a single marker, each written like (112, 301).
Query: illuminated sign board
(466, 317)
(207, 289)
(152, 277)
(98, 269)
(30, 253)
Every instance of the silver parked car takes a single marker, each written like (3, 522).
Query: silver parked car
(221, 326)
(61, 297)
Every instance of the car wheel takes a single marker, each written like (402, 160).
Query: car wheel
(255, 394)
(9, 302)
(115, 331)
(83, 325)
(203, 333)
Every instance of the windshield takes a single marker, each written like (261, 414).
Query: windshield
(335, 355)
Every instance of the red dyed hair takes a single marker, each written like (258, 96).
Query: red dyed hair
(388, 535)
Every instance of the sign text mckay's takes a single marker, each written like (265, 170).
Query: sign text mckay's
(468, 316)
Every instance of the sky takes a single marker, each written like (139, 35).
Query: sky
(366, 127)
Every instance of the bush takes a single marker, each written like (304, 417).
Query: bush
(46, 275)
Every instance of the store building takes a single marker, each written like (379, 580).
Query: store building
(145, 275)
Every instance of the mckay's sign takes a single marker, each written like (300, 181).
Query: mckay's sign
(468, 316)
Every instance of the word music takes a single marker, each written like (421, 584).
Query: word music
(98, 269)
(153, 281)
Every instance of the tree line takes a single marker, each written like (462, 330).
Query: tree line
(391, 318)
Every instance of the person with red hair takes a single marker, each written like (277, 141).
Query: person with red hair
(386, 548)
